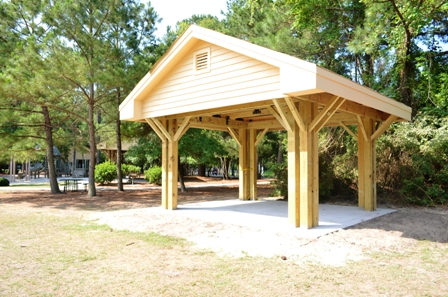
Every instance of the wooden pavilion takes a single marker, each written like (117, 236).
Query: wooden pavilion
(213, 81)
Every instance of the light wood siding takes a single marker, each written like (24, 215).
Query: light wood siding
(233, 79)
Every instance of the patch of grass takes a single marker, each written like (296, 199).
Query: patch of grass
(33, 185)
(46, 255)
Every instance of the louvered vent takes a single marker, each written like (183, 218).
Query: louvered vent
(202, 61)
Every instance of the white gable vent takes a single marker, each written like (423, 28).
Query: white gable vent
(201, 60)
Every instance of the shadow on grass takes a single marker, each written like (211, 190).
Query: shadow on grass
(415, 223)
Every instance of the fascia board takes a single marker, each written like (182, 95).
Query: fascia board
(131, 111)
(295, 81)
(333, 83)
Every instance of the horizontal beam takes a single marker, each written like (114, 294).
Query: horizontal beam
(261, 111)
(224, 110)
(271, 124)
(207, 122)
(347, 106)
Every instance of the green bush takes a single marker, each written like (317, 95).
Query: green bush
(105, 172)
(280, 172)
(128, 169)
(413, 160)
(154, 175)
(4, 182)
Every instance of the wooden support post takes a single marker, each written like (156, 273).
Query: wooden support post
(315, 166)
(244, 192)
(361, 170)
(366, 165)
(165, 173)
(252, 165)
(309, 166)
(172, 165)
(293, 174)
(158, 128)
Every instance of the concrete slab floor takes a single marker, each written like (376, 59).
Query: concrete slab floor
(273, 216)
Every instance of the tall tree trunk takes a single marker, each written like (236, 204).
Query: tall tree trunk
(92, 142)
(180, 174)
(201, 170)
(98, 138)
(405, 90)
(118, 130)
(90, 120)
(225, 167)
(279, 153)
(74, 160)
(54, 186)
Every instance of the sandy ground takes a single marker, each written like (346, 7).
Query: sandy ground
(137, 210)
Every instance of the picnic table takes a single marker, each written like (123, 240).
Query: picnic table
(70, 183)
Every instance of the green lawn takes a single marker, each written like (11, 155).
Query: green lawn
(44, 254)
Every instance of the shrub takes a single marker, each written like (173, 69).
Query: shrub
(128, 169)
(105, 172)
(414, 159)
(280, 172)
(154, 175)
(4, 182)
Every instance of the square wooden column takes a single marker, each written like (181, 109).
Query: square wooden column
(366, 164)
(172, 164)
(164, 169)
(253, 168)
(244, 177)
(309, 169)
(293, 173)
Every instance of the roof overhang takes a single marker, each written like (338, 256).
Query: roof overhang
(298, 79)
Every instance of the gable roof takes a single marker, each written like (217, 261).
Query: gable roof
(297, 77)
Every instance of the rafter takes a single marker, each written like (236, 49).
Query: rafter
(282, 114)
(182, 128)
(383, 127)
(295, 113)
(162, 129)
(349, 131)
(156, 129)
(235, 135)
(362, 128)
(326, 113)
(277, 116)
(261, 135)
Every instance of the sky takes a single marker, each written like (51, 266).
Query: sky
(173, 11)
